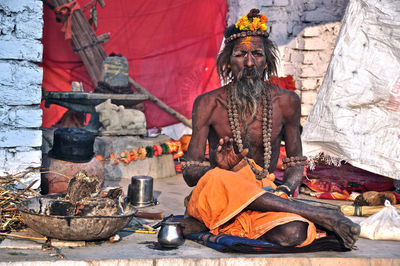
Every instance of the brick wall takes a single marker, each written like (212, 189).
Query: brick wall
(305, 32)
(21, 24)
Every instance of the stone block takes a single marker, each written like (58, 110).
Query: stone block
(317, 59)
(281, 2)
(297, 57)
(320, 15)
(308, 97)
(28, 117)
(279, 33)
(28, 74)
(289, 69)
(12, 6)
(244, 7)
(28, 179)
(315, 44)
(24, 159)
(311, 57)
(18, 161)
(29, 25)
(7, 24)
(295, 29)
(292, 44)
(2, 158)
(20, 137)
(325, 56)
(285, 54)
(20, 96)
(306, 109)
(6, 73)
(311, 84)
(4, 111)
(267, 3)
(157, 166)
(312, 31)
(21, 49)
(312, 71)
(277, 14)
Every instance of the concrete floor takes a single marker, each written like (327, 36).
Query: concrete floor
(141, 249)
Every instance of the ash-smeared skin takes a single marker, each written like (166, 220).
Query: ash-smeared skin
(210, 122)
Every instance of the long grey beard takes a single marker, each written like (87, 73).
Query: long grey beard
(247, 92)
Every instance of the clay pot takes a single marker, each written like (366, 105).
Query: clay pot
(60, 172)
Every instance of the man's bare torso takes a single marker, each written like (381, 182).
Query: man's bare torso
(251, 130)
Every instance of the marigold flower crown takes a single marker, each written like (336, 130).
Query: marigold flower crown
(251, 24)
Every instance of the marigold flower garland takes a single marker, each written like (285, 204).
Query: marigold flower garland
(174, 147)
(256, 24)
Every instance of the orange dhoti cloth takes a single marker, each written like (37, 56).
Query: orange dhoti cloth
(220, 198)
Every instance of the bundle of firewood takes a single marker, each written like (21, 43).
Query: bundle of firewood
(10, 197)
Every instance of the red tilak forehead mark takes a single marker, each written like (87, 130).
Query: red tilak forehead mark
(247, 42)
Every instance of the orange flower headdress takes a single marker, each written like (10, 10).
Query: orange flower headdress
(251, 24)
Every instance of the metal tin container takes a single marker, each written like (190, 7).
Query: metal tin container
(140, 191)
(170, 235)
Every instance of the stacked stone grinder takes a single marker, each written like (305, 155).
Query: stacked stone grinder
(73, 145)
(140, 191)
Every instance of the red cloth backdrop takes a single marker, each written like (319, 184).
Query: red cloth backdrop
(171, 47)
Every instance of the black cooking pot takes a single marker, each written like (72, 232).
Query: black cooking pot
(73, 145)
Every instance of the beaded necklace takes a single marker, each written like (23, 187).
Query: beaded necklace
(234, 123)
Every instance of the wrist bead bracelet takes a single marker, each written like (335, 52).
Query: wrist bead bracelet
(294, 161)
(190, 163)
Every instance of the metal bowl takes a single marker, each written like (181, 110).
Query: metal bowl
(72, 227)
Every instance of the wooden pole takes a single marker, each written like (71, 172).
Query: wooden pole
(161, 104)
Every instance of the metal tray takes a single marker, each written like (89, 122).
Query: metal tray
(72, 227)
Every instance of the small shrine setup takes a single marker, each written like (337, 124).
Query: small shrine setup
(117, 124)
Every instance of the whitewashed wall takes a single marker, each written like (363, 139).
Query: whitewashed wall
(305, 32)
(21, 24)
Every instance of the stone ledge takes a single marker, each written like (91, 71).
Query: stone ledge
(231, 261)
(156, 167)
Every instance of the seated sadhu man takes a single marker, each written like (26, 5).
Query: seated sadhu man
(244, 123)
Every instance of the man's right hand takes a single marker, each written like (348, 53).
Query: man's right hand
(226, 158)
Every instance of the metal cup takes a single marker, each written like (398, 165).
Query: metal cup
(140, 191)
(170, 235)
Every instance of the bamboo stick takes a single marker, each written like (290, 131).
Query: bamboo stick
(350, 210)
(24, 237)
(161, 104)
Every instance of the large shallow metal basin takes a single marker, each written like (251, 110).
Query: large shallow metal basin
(72, 227)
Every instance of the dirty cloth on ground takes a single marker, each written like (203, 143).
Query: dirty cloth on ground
(228, 243)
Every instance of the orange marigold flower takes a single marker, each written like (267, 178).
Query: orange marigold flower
(264, 19)
(113, 159)
(100, 158)
(125, 157)
(134, 155)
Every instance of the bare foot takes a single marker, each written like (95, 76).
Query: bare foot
(346, 230)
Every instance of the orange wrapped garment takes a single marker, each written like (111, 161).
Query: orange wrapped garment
(220, 198)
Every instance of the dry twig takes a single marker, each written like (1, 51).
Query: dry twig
(10, 197)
